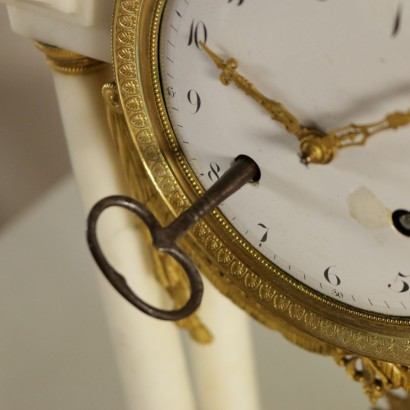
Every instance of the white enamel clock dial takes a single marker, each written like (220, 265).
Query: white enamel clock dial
(330, 63)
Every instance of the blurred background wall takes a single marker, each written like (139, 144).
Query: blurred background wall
(33, 154)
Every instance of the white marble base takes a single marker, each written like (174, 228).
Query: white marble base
(81, 26)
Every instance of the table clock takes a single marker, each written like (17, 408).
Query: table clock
(306, 103)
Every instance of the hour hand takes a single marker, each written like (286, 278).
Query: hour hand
(277, 111)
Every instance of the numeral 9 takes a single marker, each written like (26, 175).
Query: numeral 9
(194, 99)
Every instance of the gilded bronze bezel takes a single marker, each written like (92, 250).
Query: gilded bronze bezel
(234, 267)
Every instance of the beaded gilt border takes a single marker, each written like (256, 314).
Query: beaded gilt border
(250, 290)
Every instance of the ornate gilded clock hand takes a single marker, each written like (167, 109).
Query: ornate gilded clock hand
(319, 149)
(316, 147)
(277, 111)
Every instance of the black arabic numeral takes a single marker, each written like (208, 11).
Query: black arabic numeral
(331, 277)
(400, 285)
(397, 20)
(265, 235)
(213, 174)
(238, 2)
(194, 99)
(198, 33)
(337, 293)
(171, 92)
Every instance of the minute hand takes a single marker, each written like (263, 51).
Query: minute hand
(321, 149)
(277, 111)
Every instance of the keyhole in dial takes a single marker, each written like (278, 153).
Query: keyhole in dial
(258, 174)
(401, 221)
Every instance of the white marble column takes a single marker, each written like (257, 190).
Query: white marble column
(150, 353)
(224, 371)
